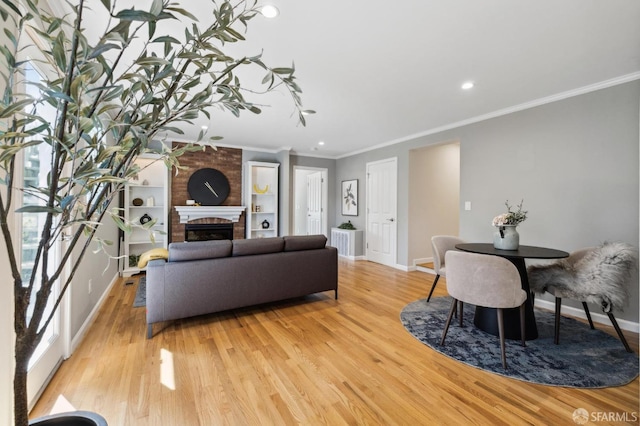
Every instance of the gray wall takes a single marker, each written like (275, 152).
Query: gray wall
(96, 271)
(574, 162)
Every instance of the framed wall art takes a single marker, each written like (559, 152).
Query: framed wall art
(349, 197)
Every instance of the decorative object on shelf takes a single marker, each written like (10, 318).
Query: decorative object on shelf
(145, 218)
(257, 189)
(209, 187)
(150, 202)
(133, 260)
(506, 236)
(145, 182)
(137, 202)
(265, 224)
(347, 225)
(258, 208)
(350, 197)
(191, 202)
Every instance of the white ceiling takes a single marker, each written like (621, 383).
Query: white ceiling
(378, 72)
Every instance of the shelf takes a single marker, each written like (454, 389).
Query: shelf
(146, 207)
(136, 185)
(159, 241)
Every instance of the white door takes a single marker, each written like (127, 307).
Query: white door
(382, 227)
(314, 203)
(36, 165)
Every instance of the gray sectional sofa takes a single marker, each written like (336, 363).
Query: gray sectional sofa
(203, 277)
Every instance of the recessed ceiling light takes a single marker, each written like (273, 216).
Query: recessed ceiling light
(205, 127)
(321, 143)
(269, 11)
(468, 85)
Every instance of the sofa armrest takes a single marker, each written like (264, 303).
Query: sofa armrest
(155, 298)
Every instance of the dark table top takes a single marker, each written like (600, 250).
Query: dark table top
(530, 252)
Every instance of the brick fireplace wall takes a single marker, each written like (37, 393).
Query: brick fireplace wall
(229, 162)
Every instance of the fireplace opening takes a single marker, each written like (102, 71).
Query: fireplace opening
(208, 231)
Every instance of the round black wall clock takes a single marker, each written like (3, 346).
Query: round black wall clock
(208, 187)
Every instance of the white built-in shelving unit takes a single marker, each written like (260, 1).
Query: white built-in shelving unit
(150, 188)
(261, 196)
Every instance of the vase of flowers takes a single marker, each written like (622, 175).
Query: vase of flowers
(506, 236)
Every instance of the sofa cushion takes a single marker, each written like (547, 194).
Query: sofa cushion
(196, 250)
(257, 246)
(304, 242)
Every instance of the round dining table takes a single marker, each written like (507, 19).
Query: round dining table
(485, 318)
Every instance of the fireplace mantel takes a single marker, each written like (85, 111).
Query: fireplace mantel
(188, 213)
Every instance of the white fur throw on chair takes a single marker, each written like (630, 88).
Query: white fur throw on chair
(597, 275)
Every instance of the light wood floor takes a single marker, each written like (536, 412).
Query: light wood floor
(310, 361)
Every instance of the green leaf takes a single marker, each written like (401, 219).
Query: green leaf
(39, 209)
(151, 60)
(135, 15)
(12, 7)
(282, 70)
(182, 12)
(14, 107)
(11, 37)
(59, 52)
(106, 4)
(166, 39)
(101, 48)
(156, 7)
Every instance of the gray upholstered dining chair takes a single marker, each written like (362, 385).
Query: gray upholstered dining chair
(483, 280)
(441, 244)
(597, 275)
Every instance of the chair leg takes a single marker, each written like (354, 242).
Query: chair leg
(446, 326)
(501, 334)
(523, 328)
(620, 335)
(556, 336)
(586, 311)
(433, 287)
(461, 314)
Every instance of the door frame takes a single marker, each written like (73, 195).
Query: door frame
(45, 365)
(325, 196)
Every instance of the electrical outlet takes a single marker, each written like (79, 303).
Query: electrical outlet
(467, 205)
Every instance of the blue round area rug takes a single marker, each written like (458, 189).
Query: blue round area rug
(584, 358)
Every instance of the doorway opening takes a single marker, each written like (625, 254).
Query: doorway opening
(310, 198)
(434, 172)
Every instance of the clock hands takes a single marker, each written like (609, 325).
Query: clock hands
(208, 185)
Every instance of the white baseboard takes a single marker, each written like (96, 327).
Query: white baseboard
(79, 336)
(422, 260)
(596, 317)
(353, 257)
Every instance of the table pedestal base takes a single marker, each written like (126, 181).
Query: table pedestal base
(486, 319)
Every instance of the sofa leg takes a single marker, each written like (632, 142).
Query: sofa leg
(149, 331)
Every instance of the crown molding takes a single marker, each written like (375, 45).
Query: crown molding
(501, 112)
